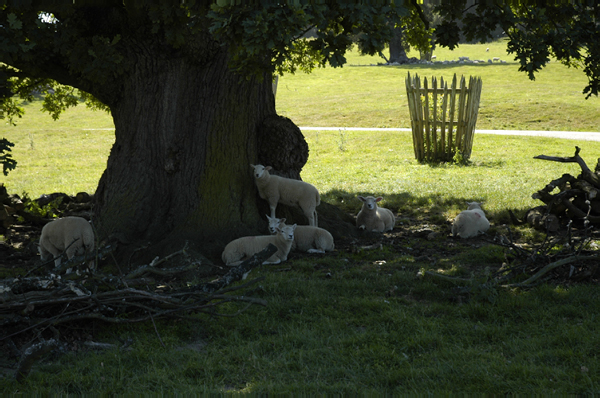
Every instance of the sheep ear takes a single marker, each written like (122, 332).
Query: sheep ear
(379, 199)
(268, 218)
(282, 220)
(251, 165)
(362, 199)
(294, 227)
(268, 168)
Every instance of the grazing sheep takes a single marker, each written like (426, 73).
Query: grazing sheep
(471, 222)
(287, 191)
(243, 248)
(373, 218)
(306, 238)
(71, 234)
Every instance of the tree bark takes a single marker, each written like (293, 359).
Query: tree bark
(397, 51)
(185, 135)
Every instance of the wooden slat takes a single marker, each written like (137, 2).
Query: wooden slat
(425, 107)
(436, 152)
(451, 117)
(449, 125)
(462, 97)
(444, 113)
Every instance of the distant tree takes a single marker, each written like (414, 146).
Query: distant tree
(188, 84)
(413, 30)
(567, 30)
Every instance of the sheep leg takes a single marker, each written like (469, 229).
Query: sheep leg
(311, 216)
(273, 208)
(56, 254)
(74, 248)
(272, 262)
(320, 251)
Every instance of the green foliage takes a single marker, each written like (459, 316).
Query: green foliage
(567, 31)
(8, 163)
(270, 38)
(459, 159)
(50, 210)
(416, 33)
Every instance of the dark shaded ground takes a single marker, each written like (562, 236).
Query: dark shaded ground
(424, 242)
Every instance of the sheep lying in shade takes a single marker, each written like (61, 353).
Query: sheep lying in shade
(471, 222)
(374, 218)
(287, 191)
(71, 234)
(306, 238)
(243, 248)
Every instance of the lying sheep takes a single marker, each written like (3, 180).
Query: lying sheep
(287, 191)
(243, 248)
(373, 218)
(71, 234)
(306, 238)
(471, 222)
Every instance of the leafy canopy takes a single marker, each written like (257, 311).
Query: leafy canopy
(73, 51)
(566, 30)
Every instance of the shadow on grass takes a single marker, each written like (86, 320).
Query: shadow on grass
(492, 164)
(439, 65)
(406, 204)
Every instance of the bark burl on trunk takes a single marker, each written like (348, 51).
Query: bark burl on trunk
(179, 168)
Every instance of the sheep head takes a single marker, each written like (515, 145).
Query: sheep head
(370, 202)
(474, 205)
(259, 170)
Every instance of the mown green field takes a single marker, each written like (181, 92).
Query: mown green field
(362, 321)
(362, 94)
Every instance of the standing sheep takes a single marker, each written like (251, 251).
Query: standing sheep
(243, 248)
(306, 238)
(471, 222)
(71, 234)
(287, 191)
(374, 218)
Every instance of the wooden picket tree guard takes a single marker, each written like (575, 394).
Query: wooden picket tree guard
(443, 119)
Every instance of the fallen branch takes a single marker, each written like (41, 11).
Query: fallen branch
(31, 356)
(588, 175)
(35, 302)
(548, 268)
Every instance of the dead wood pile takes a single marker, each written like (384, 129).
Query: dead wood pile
(15, 209)
(577, 198)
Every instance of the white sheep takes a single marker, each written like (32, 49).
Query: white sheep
(306, 238)
(71, 234)
(471, 222)
(243, 248)
(287, 191)
(374, 218)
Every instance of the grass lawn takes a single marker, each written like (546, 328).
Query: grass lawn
(360, 321)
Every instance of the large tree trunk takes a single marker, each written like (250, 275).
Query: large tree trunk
(180, 166)
(397, 51)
